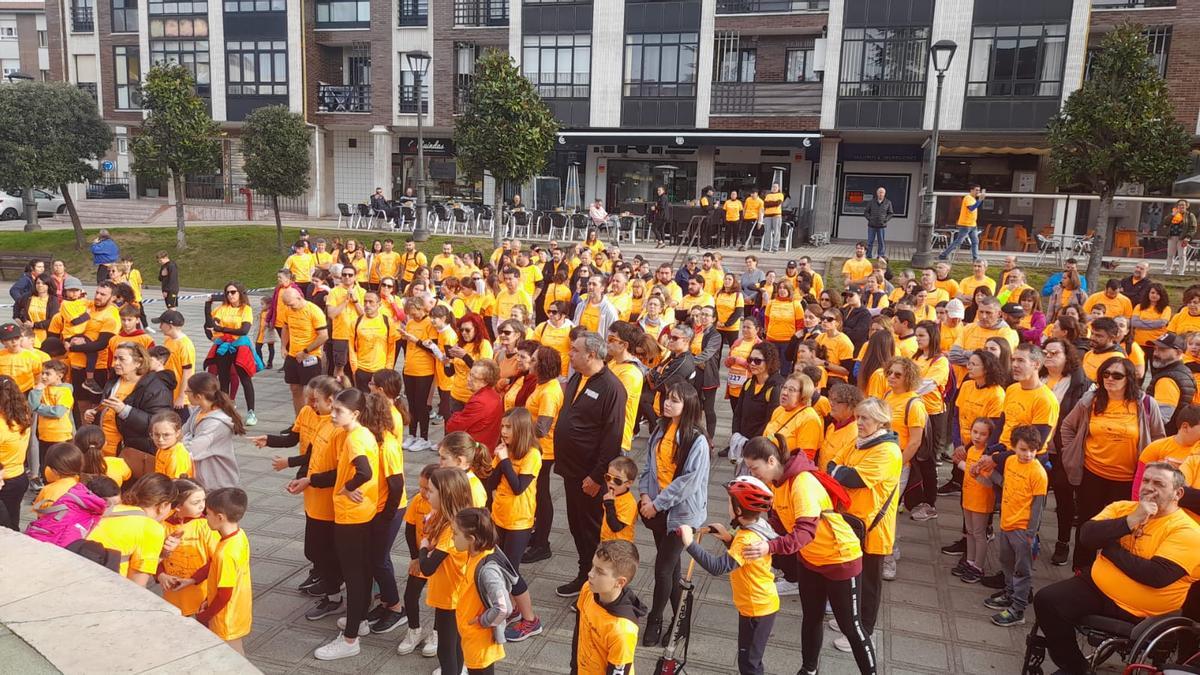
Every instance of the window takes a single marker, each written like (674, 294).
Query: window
(800, 65)
(190, 53)
(1017, 60)
(9, 66)
(183, 7)
(122, 145)
(414, 12)
(736, 65)
(8, 31)
(171, 28)
(661, 64)
(232, 6)
(43, 39)
(124, 16)
(1158, 45)
(559, 66)
(128, 76)
(344, 12)
(257, 68)
(45, 75)
(884, 62)
(408, 90)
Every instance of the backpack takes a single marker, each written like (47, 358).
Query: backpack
(97, 553)
(69, 519)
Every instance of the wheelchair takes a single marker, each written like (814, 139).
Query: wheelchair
(1146, 646)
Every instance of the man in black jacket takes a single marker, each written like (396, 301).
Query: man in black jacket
(586, 438)
(878, 213)
(708, 365)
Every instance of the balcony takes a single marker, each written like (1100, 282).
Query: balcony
(408, 100)
(1132, 4)
(344, 98)
(413, 13)
(82, 19)
(772, 6)
(766, 99)
(480, 13)
(462, 92)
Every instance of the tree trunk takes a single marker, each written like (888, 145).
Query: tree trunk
(1099, 242)
(74, 213)
(30, 206)
(278, 224)
(180, 237)
(497, 213)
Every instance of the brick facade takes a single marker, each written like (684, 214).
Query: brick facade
(737, 123)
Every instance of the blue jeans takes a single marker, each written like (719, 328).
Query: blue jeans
(960, 234)
(875, 234)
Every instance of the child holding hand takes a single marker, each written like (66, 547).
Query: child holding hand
(188, 548)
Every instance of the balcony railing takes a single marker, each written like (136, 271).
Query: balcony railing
(1131, 4)
(344, 98)
(414, 13)
(462, 92)
(766, 99)
(408, 100)
(770, 6)
(82, 19)
(480, 12)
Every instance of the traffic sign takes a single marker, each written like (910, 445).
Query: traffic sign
(107, 165)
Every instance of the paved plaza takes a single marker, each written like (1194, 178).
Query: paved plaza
(930, 622)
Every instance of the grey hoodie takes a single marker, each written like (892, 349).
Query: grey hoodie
(209, 440)
(494, 579)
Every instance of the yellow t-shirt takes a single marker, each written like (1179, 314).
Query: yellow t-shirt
(973, 403)
(303, 325)
(626, 507)
(857, 269)
(343, 323)
(230, 317)
(803, 496)
(350, 445)
(136, 535)
(727, 304)
(632, 379)
(968, 216)
(301, 266)
(231, 569)
(108, 419)
(1175, 537)
(802, 428)
(197, 542)
(56, 429)
(445, 583)
(879, 466)
(1037, 406)
(512, 511)
(479, 647)
(908, 412)
(1023, 481)
(24, 367)
(733, 210)
(173, 462)
(753, 582)
(546, 400)
(183, 355)
(1111, 447)
(783, 316)
(419, 361)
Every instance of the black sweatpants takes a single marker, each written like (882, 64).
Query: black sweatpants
(1095, 493)
(226, 366)
(1064, 499)
(1059, 607)
(843, 597)
(708, 397)
(927, 468)
(383, 535)
(353, 542)
(449, 653)
(872, 590)
(10, 500)
(321, 551)
(543, 511)
(412, 600)
(668, 548)
(513, 543)
(753, 634)
(417, 388)
(583, 519)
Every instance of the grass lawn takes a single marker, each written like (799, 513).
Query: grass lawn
(215, 255)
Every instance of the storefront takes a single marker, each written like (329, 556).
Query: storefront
(446, 182)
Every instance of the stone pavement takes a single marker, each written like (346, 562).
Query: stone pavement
(930, 622)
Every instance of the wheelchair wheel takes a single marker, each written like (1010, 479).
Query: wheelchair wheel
(1035, 653)
(1158, 642)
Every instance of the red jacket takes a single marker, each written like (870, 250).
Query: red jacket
(480, 417)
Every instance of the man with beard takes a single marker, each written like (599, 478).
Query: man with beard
(1104, 346)
(1172, 384)
(1137, 285)
(89, 351)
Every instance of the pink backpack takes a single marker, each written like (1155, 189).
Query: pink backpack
(70, 518)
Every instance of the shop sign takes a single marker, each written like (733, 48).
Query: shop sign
(434, 147)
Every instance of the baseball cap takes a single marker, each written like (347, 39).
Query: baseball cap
(850, 291)
(955, 309)
(72, 283)
(170, 318)
(303, 232)
(1013, 309)
(9, 331)
(791, 264)
(1168, 340)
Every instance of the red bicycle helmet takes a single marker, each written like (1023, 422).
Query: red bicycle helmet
(750, 493)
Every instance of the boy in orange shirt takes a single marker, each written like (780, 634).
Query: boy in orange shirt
(620, 507)
(1021, 503)
(227, 609)
(131, 331)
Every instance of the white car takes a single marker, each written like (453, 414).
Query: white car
(48, 204)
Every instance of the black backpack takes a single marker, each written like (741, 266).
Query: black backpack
(97, 553)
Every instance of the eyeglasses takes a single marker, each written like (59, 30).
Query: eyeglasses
(231, 292)
(1114, 375)
(615, 480)
(678, 337)
(388, 285)
(895, 374)
(347, 274)
(755, 361)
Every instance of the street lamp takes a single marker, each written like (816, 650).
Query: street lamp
(418, 63)
(942, 53)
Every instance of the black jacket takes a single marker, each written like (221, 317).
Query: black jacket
(856, 325)
(708, 361)
(588, 433)
(754, 406)
(150, 396)
(878, 213)
(674, 369)
(1135, 291)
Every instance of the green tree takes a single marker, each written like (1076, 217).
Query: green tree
(1119, 127)
(275, 145)
(506, 129)
(51, 136)
(178, 137)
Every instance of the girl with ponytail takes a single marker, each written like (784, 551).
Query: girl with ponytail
(459, 451)
(208, 434)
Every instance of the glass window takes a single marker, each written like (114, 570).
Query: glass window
(127, 78)
(736, 65)
(1017, 60)
(559, 66)
(191, 53)
(245, 6)
(661, 64)
(884, 62)
(408, 90)
(124, 16)
(800, 65)
(344, 12)
(256, 68)
(186, 7)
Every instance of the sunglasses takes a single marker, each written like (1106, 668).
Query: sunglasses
(388, 285)
(827, 318)
(678, 337)
(347, 274)
(552, 312)
(231, 292)
(615, 480)
(507, 332)
(1114, 375)
(755, 361)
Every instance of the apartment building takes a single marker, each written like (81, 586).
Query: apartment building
(831, 97)
(24, 42)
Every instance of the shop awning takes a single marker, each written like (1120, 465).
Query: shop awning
(984, 143)
(688, 137)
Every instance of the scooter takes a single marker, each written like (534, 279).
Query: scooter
(674, 656)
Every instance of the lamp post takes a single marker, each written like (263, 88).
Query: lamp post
(418, 63)
(942, 53)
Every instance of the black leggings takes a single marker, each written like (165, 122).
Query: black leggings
(383, 535)
(872, 590)
(753, 634)
(928, 488)
(353, 542)
(321, 551)
(269, 362)
(1064, 499)
(843, 597)
(225, 368)
(10, 500)
(513, 543)
(449, 653)
(412, 600)
(1095, 493)
(709, 398)
(543, 512)
(417, 387)
(667, 566)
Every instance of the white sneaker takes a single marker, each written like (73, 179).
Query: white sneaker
(337, 649)
(418, 445)
(364, 627)
(842, 644)
(785, 587)
(406, 444)
(889, 568)
(412, 638)
(923, 512)
(833, 626)
(429, 649)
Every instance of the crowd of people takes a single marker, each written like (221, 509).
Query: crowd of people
(572, 361)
